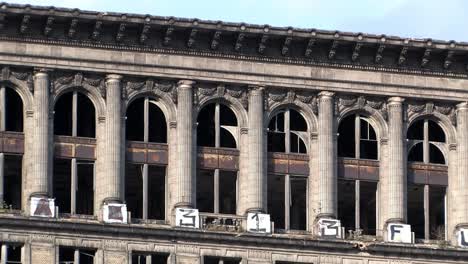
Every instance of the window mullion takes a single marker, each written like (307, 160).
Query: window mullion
(287, 135)
(217, 126)
(2, 108)
(357, 136)
(216, 191)
(145, 191)
(287, 202)
(146, 120)
(426, 157)
(75, 114)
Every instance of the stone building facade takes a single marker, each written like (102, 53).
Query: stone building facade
(116, 127)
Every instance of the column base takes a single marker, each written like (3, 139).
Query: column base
(42, 206)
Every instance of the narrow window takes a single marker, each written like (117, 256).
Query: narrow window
(73, 185)
(357, 138)
(220, 260)
(217, 191)
(68, 255)
(145, 121)
(11, 253)
(11, 188)
(216, 127)
(11, 110)
(149, 258)
(74, 115)
(286, 132)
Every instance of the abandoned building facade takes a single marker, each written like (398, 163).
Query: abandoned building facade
(142, 139)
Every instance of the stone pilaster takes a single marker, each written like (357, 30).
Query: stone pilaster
(256, 177)
(457, 187)
(394, 184)
(186, 177)
(113, 153)
(327, 177)
(39, 175)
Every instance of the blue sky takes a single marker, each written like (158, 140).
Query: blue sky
(437, 19)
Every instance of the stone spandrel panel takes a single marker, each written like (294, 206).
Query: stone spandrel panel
(331, 260)
(187, 260)
(115, 257)
(353, 261)
(42, 254)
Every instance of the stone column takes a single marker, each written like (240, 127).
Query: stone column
(457, 187)
(113, 154)
(40, 149)
(394, 187)
(327, 177)
(256, 177)
(186, 180)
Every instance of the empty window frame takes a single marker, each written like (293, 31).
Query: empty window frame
(145, 121)
(11, 253)
(11, 110)
(220, 260)
(287, 201)
(10, 181)
(287, 131)
(74, 115)
(357, 207)
(426, 211)
(148, 258)
(217, 191)
(68, 255)
(73, 185)
(357, 138)
(145, 191)
(426, 139)
(217, 126)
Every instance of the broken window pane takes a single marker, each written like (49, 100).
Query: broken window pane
(437, 212)
(346, 137)
(85, 116)
(367, 203)
(416, 130)
(67, 255)
(157, 129)
(63, 115)
(135, 122)
(298, 203)
(208, 127)
(227, 192)
(276, 142)
(227, 116)
(12, 181)
(156, 192)
(144, 258)
(347, 204)
(416, 153)
(435, 155)
(276, 202)
(205, 191)
(297, 122)
(435, 132)
(13, 111)
(279, 131)
(62, 184)
(415, 209)
(85, 191)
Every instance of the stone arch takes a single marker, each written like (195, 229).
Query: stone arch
(304, 109)
(442, 120)
(376, 119)
(22, 89)
(233, 104)
(91, 92)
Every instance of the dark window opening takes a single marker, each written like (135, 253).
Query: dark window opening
(13, 253)
(13, 111)
(347, 204)
(213, 118)
(437, 212)
(219, 260)
(416, 131)
(65, 120)
(85, 191)
(149, 258)
(276, 200)
(136, 119)
(134, 191)
(68, 255)
(227, 190)
(368, 149)
(416, 153)
(435, 155)
(416, 209)
(347, 138)
(284, 130)
(436, 133)
(62, 184)
(367, 204)
(298, 203)
(12, 181)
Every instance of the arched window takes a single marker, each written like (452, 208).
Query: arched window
(73, 172)
(286, 132)
(357, 138)
(216, 127)
(425, 140)
(145, 121)
(426, 198)
(74, 115)
(145, 179)
(11, 120)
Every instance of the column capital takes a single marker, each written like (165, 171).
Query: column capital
(326, 94)
(113, 78)
(395, 100)
(41, 72)
(255, 87)
(462, 106)
(185, 83)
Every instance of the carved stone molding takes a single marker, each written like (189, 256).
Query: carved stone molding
(277, 95)
(345, 101)
(428, 108)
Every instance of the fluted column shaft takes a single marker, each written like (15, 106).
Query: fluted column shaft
(395, 186)
(327, 159)
(457, 190)
(113, 157)
(40, 154)
(256, 140)
(185, 190)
